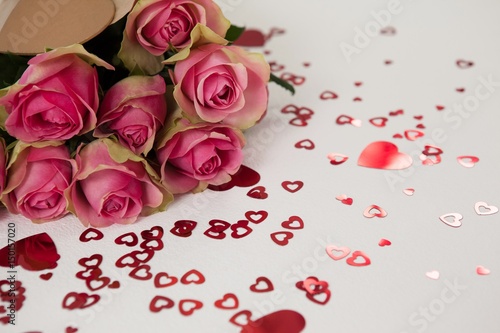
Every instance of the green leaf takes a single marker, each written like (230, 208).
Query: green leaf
(282, 83)
(234, 32)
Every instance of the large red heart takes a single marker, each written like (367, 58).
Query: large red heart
(34, 253)
(244, 177)
(384, 155)
(283, 321)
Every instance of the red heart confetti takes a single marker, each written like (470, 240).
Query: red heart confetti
(183, 228)
(262, 285)
(374, 211)
(281, 237)
(481, 270)
(292, 187)
(328, 95)
(439, 107)
(384, 242)
(463, 64)
(188, 306)
(163, 280)
(142, 273)
(228, 302)
(46, 276)
(379, 121)
(336, 158)
(155, 232)
(467, 161)
(159, 303)
(128, 239)
(193, 276)
(91, 234)
(413, 135)
(305, 144)
(293, 223)
(258, 192)
(256, 217)
(217, 229)
(399, 112)
(355, 256)
(240, 229)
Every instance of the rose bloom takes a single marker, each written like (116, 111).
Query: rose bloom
(134, 109)
(37, 176)
(195, 156)
(113, 185)
(225, 84)
(3, 165)
(157, 24)
(55, 98)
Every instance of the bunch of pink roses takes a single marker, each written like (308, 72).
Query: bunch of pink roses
(111, 150)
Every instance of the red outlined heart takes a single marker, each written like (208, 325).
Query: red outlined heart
(155, 232)
(353, 260)
(193, 276)
(262, 285)
(159, 303)
(327, 94)
(258, 192)
(188, 306)
(293, 223)
(228, 302)
(306, 144)
(374, 211)
(256, 217)
(183, 228)
(379, 121)
(91, 234)
(281, 237)
(240, 229)
(164, 280)
(142, 273)
(128, 239)
(292, 187)
(336, 158)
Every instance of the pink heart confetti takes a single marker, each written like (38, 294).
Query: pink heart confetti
(452, 219)
(467, 161)
(434, 275)
(409, 191)
(481, 270)
(384, 242)
(337, 252)
(482, 208)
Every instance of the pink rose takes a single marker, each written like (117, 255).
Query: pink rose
(56, 98)
(112, 185)
(195, 156)
(156, 26)
(134, 109)
(37, 176)
(225, 84)
(3, 165)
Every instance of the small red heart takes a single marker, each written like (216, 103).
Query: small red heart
(467, 161)
(74, 300)
(413, 135)
(256, 217)
(240, 225)
(262, 285)
(46, 276)
(358, 254)
(160, 280)
(134, 258)
(241, 318)
(281, 237)
(293, 223)
(328, 95)
(430, 150)
(152, 244)
(292, 187)
(70, 329)
(378, 121)
(93, 261)
(258, 192)
(397, 136)
(193, 276)
(336, 158)
(97, 283)
(244, 177)
(439, 107)
(421, 126)
(142, 273)
(305, 144)
(357, 99)
(159, 303)
(228, 302)
(293, 79)
(396, 113)
(91, 234)
(374, 211)
(384, 155)
(418, 117)
(388, 62)
(358, 83)
(314, 286)
(188, 306)
(298, 121)
(128, 239)
(315, 297)
(463, 64)
(460, 90)
(347, 201)
(344, 119)
(183, 228)
(388, 31)
(114, 285)
(217, 229)
(384, 242)
(89, 273)
(155, 232)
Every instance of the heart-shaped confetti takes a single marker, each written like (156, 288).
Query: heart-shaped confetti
(384, 242)
(353, 260)
(128, 239)
(467, 161)
(384, 155)
(91, 234)
(258, 192)
(228, 302)
(159, 303)
(481, 270)
(379, 121)
(463, 64)
(452, 219)
(314, 286)
(413, 135)
(292, 187)
(46, 276)
(337, 252)
(433, 275)
(183, 228)
(344, 199)
(193, 276)
(336, 158)
(305, 144)
(293, 223)
(374, 211)
(482, 208)
(409, 191)
(241, 318)
(163, 280)
(262, 285)
(256, 217)
(240, 229)
(439, 107)
(328, 95)
(281, 237)
(142, 273)
(399, 112)
(283, 321)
